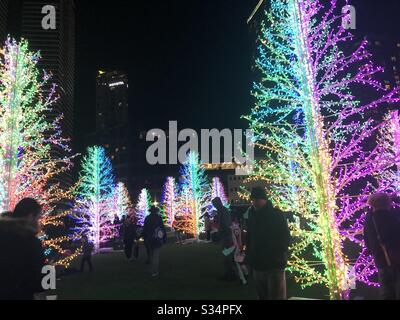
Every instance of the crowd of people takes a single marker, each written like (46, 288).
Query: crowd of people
(257, 246)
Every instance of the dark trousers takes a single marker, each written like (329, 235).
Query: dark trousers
(270, 285)
(88, 260)
(229, 265)
(178, 236)
(389, 279)
(154, 254)
(208, 235)
(148, 252)
(128, 246)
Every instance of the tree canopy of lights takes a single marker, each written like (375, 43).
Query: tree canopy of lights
(194, 194)
(218, 190)
(169, 201)
(27, 137)
(93, 212)
(143, 206)
(315, 135)
(122, 205)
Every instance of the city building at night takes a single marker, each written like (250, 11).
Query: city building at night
(112, 121)
(3, 19)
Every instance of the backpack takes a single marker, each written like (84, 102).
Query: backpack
(158, 237)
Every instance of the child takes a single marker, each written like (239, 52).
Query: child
(239, 252)
(87, 248)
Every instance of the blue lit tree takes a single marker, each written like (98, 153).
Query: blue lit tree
(143, 206)
(195, 189)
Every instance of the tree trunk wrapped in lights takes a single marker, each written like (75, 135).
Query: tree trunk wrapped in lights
(28, 135)
(314, 133)
(93, 213)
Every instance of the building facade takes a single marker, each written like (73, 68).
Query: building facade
(3, 20)
(112, 120)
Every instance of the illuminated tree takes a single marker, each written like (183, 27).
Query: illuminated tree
(122, 205)
(169, 201)
(28, 135)
(316, 136)
(93, 213)
(184, 221)
(218, 191)
(390, 141)
(143, 206)
(195, 191)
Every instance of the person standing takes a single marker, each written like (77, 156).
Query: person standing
(155, 236)
(129, 236)
(22, 256)
(87, 250)
(267, 244)
(225, 238)
(382, 239)
(207, 226)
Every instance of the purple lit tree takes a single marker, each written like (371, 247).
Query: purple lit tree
(316, 137)
(217, 190)
(390, 141)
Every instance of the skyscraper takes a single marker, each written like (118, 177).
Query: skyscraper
(57, 48)
(112, 120)
(3, 19)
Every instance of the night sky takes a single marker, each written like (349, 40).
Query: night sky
(186, 60)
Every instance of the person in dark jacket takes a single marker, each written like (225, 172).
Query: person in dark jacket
(382, 239)
(129, 235)
(22, 256)
(225, 237)
(267, 245)
(155, 236)
(87, 248)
